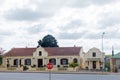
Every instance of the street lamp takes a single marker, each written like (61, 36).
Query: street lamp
(102, 40)
(102, 47)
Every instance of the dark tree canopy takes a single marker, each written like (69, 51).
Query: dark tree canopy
(48, 41)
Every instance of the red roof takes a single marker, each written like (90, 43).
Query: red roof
(20, 52)
(63, 51)
(54, 51)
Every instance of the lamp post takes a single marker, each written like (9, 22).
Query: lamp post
(102, 40)
(102, 48)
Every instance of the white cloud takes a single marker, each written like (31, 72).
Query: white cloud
(71, 22)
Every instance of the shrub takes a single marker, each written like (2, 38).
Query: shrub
(41, 68)
(58, 66)
(33, 66)
(62, 68)
(25, 68)
(73, 65)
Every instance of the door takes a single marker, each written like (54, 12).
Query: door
(94, 64)
(40, 62)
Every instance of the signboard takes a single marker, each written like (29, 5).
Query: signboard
(49, 65)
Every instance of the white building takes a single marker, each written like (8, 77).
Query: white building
(94, 59)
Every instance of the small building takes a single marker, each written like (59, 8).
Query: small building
(94, 59)
(39, 57)
(115, 62)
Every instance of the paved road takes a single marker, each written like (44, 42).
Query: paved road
(45, 76)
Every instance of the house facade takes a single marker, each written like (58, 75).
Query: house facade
(94, 59)
(39, 57)
(115, 63)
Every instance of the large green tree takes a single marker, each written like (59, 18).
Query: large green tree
(1, 53)
(48, 41)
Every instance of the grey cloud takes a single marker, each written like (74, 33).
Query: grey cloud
(109, 20)
(73, 24)
(91, 35)
(114, 34)
(25, 15)
(65, 35)
(2, 1)
(5, 34)
(98, 35)
(102, 2)
(46, 4)
(83, 3)
(35, 29)
(49, 6)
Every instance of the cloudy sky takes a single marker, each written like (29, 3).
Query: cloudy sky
(71, 22)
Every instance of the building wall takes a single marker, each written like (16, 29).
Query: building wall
(99, 58)
(82, 58)
(34, 61)
(36, 53)
(44, 56)
(118, 63)
(114, 63)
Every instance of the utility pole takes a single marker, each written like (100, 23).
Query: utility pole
(102, 41)
(103, 51)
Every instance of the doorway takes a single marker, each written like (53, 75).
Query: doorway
(94, 64)
(40, 63)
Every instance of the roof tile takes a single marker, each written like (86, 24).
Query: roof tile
(54, 51)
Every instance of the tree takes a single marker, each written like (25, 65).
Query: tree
(0, 60)
(107, 65)
(1, 53)
(48, 41)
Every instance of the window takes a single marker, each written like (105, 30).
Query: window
(53, 61)
(40, 53)
(15, 61)
(75, 60)
(94, 54)
(27, 61)
(64, 61)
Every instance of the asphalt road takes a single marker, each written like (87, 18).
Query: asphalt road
(45, 76)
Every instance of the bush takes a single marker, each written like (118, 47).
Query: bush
(73, 65)
(21, 65)
(41, 68)
(107, 65)
(33, 66)
(25, 68)
(44, 66)
(62, 68)
(65, 66)
(58, 66)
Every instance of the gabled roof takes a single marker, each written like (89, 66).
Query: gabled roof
(54, 51)
(20, 52)
(63, 51)
(116, 55)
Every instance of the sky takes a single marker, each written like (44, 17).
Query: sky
(72, 22)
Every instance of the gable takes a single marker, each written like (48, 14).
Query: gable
(40, 52)
(54, 51)
(94, 52)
